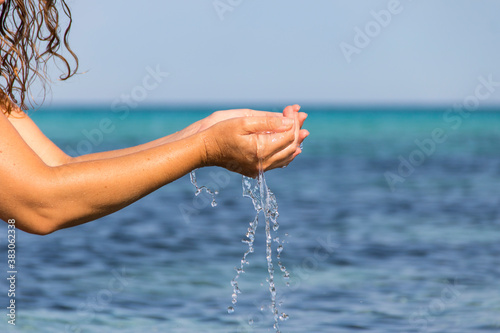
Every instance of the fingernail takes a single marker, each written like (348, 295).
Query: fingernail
(285, 121)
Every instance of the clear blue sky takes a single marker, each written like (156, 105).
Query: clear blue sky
(283, 51)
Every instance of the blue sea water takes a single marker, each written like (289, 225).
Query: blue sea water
(392, 216)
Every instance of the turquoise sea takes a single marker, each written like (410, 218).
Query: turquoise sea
(391, 222)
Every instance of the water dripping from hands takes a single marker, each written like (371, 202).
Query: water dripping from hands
(263, 200)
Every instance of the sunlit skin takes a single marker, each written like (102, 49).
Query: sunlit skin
(45, 190)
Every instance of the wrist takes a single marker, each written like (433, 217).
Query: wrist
(208, 148)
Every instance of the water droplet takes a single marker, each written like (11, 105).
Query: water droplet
(230, 309)
(250, 321)
(276, 226)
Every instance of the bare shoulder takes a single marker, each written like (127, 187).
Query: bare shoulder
(20, 120)
(36, 140)
(16, 159)
(14, 151)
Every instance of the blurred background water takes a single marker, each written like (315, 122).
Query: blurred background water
(384, 234)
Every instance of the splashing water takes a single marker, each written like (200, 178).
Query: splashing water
(192, 176)
(263, 201)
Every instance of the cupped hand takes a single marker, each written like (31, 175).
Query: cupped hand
(246, 144)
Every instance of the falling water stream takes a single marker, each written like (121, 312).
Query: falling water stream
(263, 201)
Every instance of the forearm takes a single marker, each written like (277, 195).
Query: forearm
(79, 192)
(131, 150)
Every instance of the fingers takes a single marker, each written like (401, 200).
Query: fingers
(256, 125)
(235, 113)
(280, 155)
(275, 142)
(291, 110)
(286, 156)
(303, 133)
(282, 158)
(297, 128)
(302, 118)
(258, 113)
(248, 113)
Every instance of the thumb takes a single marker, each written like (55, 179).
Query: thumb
(268, 124)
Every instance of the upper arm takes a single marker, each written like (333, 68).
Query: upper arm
(36, 140)
(22, 173)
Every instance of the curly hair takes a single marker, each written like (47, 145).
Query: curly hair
(30, 36)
